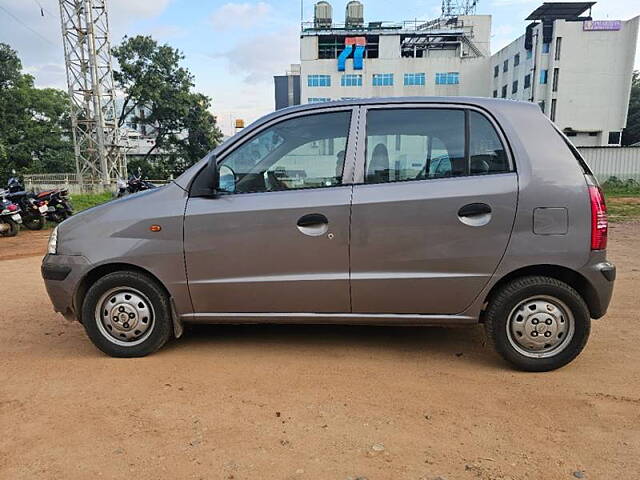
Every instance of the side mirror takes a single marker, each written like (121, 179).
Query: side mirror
(207, 182)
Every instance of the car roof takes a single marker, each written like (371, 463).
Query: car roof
(484, 102)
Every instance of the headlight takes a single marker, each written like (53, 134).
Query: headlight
(53, 242)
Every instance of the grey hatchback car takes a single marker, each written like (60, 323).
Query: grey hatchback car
(403, 211)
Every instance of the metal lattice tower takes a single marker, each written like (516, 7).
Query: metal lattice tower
(453, 8)
(87, 50)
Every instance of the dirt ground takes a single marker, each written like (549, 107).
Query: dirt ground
(305, 402)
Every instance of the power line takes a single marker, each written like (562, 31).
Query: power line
(27, 26)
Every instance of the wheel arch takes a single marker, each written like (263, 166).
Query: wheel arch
(100, 271)
(572, 278)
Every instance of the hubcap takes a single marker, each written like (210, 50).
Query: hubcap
(540, 327)
(125, 316)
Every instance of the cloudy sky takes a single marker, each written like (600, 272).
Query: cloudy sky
(235, 47)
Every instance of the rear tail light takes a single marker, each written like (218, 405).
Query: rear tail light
(599, 221)
(12, 208)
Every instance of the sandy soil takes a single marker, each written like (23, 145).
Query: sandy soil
(303, 402)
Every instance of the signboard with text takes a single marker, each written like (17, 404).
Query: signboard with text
(602, 25)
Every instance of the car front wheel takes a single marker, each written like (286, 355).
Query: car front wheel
(537, 323)
(127, 314)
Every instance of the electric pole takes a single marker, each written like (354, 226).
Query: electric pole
(99, 155)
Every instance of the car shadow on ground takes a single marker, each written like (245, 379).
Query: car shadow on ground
(466, 344)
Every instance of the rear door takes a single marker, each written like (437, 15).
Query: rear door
(433, 208)
(275, 239)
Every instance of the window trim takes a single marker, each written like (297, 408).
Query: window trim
(361, 153)
(349, 159)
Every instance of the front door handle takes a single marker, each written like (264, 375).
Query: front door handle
(474, 209)
(312, 220)
(313, 224)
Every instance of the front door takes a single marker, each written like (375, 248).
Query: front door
(434, 211)
(276, 238)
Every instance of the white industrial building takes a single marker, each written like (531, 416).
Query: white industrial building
(578, 70)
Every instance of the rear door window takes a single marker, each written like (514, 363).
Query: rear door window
(414, 144)
(427, 143)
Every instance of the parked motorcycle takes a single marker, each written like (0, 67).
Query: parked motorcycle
(134, 184)
(33, 210)
(10, 218)
(58, 203)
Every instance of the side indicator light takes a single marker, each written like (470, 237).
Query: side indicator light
(155, 228)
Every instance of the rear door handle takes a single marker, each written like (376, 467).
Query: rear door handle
(474, 209)
(312, 220)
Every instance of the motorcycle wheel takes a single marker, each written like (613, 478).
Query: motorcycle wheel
(33, 223)
(58, 217)
(13, 229)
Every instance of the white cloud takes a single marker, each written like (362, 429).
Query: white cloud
(260, 57)
(240, 15)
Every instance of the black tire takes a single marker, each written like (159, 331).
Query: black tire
(33, 222)
(13, 229)
(513, 294)
(161, 328)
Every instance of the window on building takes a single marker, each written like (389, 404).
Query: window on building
(505, 66)
(382, 79)
(554, 103)
(496, 71)
(418, 144)
(495, 94)
(516, 60)
(529, 54)
(450, 78)
(504, 92)
(546, 47)
(542, 106)
(527, 81)
(544, 77)
(558, 48)
(318, 99)
(351, 80)
(304, 152)
(556, 79)
(319, 80)
(331, 46)
(614, 138)
(514, 87)
(414, 79)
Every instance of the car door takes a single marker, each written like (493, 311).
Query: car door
(275, 238)
(433, 211)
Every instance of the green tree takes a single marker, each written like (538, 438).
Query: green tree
(631, 134)
(152, 79)
(34, 123)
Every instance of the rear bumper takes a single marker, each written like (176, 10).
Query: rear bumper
(601, 275)
(62, 275)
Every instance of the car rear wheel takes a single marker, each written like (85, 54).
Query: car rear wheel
(537, 323)
(127, 314)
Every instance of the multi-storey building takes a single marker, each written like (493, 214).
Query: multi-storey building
(577, 69)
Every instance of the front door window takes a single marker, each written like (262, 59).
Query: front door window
(303, 152)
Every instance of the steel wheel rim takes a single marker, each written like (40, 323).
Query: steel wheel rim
(125, 316)
(540, 326)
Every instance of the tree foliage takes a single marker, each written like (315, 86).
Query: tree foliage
(151, 78)
(34, 123)
(631, 134)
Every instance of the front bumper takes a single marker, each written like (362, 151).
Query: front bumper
(62, 275)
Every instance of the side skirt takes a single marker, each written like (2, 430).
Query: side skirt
(331, 318)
